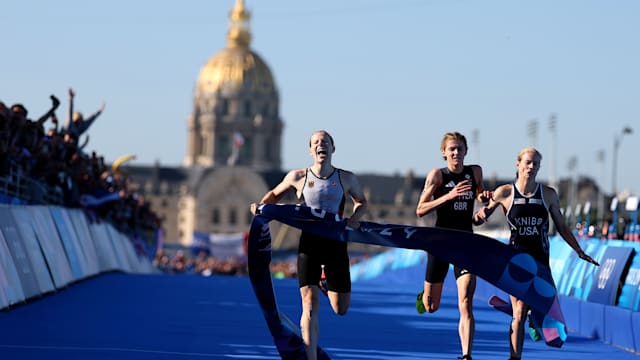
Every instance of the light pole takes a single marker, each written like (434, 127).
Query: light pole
(552, 128)
(600, 208)
(617, 140)
(572, 165)
(532, 131)
(475, 140)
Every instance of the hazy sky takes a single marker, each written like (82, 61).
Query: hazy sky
(387, 78)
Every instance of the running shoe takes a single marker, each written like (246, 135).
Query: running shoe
(534, 333)
(419, 305)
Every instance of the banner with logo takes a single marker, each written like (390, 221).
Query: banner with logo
(630, 293)
(604, 289)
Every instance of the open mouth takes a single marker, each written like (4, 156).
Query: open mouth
(321, 151)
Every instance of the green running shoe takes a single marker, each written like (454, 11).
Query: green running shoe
(419, 305)
(534, 333)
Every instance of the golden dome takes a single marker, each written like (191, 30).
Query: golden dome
(236, 67)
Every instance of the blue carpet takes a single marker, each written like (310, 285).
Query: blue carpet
(124, 316)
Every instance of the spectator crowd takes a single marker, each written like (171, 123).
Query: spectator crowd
(42, 162)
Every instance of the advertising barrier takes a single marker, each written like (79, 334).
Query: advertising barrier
(32, 247)
(51, 244)
(75, 253)
(18, 251)
(104, 248)
(604, 288)
(10, 287)
(119, 243)
(79, 224)
(43, 248)
(630, 293)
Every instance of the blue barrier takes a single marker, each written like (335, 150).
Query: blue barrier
(17, 249)
(630, 293)
(605, 282)
(44, 248)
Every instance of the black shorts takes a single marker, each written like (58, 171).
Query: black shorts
(313, 252)
(437, 270)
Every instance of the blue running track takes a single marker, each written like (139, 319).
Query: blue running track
(124, 316)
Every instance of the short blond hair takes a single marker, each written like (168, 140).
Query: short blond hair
(529, 149)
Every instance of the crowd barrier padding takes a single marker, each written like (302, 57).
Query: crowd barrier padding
(18, 251)
(75, 254)
(575, 281)
(51, 245)
(11, 290)
(592, 320)
(392, 259)
(598, 249)
(39, 266)
(635, 324)
(630, 293)
(561, 263)
(618, 322)
(608, 276)
(45, 248)
(78, 221)
(120, 246)
(104, 249)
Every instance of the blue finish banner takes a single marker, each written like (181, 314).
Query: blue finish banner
(509, 269)
(286, 336)
(604, 289)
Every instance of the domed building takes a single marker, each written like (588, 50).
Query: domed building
(234, 137)
(233, 155)
(235, 117)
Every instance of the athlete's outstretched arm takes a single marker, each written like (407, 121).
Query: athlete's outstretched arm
(551, 197)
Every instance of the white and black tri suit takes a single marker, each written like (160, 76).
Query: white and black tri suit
(456, 214)
(528, 218)
(324, 193)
